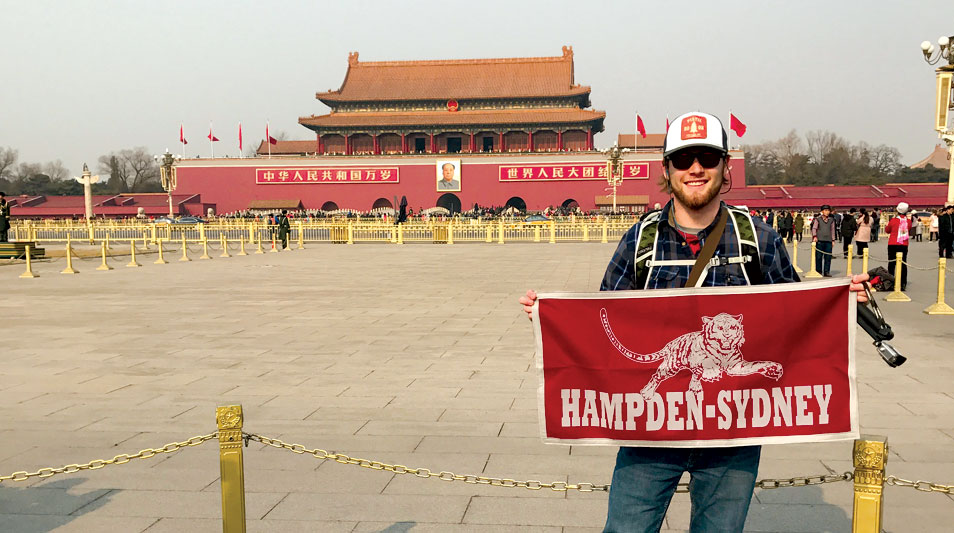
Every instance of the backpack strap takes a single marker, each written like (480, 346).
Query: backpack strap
(748, 245)
(645, 248)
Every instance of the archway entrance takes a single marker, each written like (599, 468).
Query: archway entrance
(517, 203)
(329, 206)
(570, 203)
(449, 202)
(382, 202)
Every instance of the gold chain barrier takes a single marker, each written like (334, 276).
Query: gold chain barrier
(100, 463)
(869, 456)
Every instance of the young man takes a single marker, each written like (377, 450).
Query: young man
(695, 158)
(823, 233)
(284, 228)
(899, 237)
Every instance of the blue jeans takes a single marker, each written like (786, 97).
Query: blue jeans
(721, 484)
(823, 260)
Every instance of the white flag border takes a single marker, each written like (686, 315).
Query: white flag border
(853, 433)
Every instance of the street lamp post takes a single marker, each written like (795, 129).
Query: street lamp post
(943, 101)
(167, 175)
(614, 170)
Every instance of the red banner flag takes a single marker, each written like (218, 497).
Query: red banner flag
(640, 127)
(271, 140)
(182, 138)
(212, 138)
(667, 124)
(708, 367)
(737, 126)
(240, 136)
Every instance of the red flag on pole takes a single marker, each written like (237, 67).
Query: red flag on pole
(737, 126)
(271, 140)
(640, 127)
(667, 124)
(212, 138)
(240, 136)
(182, 138)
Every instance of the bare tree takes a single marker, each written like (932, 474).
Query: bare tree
(821, 144)
(8, 158)
(133, 168)
(787, 149)
(56, 171)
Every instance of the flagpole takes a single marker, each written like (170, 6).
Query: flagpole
(730, 129)
(241, 155)
(182, 139)
(268, 140)
(636, 134)
(211, 144)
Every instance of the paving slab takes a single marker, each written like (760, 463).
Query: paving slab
(413, 365)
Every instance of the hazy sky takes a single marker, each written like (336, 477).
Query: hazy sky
(83, 78)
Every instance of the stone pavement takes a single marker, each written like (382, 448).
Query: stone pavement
(415, 354)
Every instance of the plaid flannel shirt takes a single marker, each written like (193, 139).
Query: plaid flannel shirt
(620, 274)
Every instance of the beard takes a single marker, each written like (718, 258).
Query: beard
(697, 199)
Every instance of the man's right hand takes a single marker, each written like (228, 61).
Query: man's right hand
(527, 302)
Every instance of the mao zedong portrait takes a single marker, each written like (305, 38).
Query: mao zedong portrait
(446, 177)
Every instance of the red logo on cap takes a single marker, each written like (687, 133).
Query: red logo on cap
(693, 127)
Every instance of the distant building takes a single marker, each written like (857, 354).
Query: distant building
(939, 158)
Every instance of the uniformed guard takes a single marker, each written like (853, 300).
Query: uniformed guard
(284, 228)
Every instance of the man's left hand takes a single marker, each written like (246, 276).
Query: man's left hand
(857, 286)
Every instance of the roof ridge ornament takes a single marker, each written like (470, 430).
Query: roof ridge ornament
(567, 52)
(352, 58)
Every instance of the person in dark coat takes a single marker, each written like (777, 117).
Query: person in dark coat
(849, 224)
(4, 217)
(284, 228)
(945, 232)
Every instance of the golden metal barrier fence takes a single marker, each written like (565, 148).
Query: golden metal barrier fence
(339, 231)
(869, 457)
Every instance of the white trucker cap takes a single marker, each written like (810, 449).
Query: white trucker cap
(695, 129)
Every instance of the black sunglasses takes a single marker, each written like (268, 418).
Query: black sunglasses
(706, 158)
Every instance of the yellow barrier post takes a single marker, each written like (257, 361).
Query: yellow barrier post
(813, 270)
(242, 246)
(202, 232)
(393, 231)
(536, 234)
(864, 260)
(586, 232)
(132, 254)
(798, 269)
(260, 250)
(251, 233)
(897, 295)
(274, 248)
(490, 233)
(69, 258)
(105, 265)
(350, 233)
(869, 458)
(604, 240)
(400, 230)
(185, 249)
(154, 237)
(92, 231)
(940, 307)
(205, 249)
(301, 235)
(500, 230)
(106, 240)
(161, 260)
(552, 232)
(225, 245)
(450, 233)
(29, 265)
(851, 258)
(229, 419)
